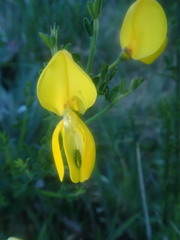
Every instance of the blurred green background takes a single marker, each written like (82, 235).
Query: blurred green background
(141, 133)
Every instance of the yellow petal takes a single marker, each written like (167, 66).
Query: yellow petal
(79, 147)
(155, 55)
(57, 151)
(144, 29)
(63, 84)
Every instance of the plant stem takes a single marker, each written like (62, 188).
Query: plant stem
(116, 62)
(122, 57)
(177, 117)
(103, 110)
(93, 45)
(143, 193)
(167, 152)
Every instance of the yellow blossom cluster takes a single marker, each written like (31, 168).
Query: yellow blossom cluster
(67, 90)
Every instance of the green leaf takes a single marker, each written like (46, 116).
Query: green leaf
(111, 74)
(122, 87)
(114, 92)
(94, 9)
(45, 38)
(52, 42)
(43, 232)
(104, 69)
(61, 47)
(88, 26)
(118, 233)
(68, 46)
(136, 82)
(90, 10)
(117, 93)
(97, 6)
(104, 89)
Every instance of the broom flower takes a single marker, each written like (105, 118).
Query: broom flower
(143, 32)
(64, 88)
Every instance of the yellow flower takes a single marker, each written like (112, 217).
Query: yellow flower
(63, 87)
(143, 32)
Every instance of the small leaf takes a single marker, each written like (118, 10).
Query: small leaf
(122, 87)
(43, 232)
(45, 38)
(104, 69)
(90, 10)
(52, 41)
(88, 26)
(110, 75)
(68, 46)
(97, 6)
(104, 89)
(114, 92)
(136, 82)
(61, 47)
(119, 232)
(118, 92)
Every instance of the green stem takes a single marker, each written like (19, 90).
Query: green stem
(103, 110)
(93, 45)
(177, 116)
(116, 62)
(167, 152)
(122, 57)
(143, 193)
(107, 107)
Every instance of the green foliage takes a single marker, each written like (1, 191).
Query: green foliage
(88, 26)
(33, 202)
(94, 8)
(51, 41)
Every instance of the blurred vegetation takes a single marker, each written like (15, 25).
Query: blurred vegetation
(140, 135)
